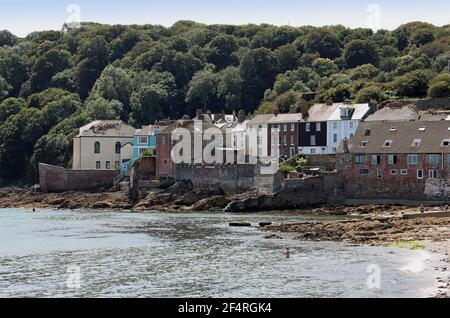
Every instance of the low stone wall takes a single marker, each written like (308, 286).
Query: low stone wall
(326, 161)
(231, 178)
(57, 179)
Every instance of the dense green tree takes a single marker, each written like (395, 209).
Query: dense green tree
(324, 42)
(413, 84)
(359, 52)
(5, 88)
(98, 107)
(230, 88)
(147, 104)
(222, 51)
(440, 86)
(203, 89)
(10, 107)
(7, 38)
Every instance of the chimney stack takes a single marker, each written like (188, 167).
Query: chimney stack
(200, 114)
(241, 116)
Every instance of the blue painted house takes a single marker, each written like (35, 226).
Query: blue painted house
(144, 141)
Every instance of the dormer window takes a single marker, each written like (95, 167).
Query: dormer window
(387, 143)
(367, 132)
(422, 129)
(393, 129)
(363, 143)
(445, 143)
(416, 143)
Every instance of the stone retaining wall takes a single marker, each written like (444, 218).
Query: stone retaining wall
(58, 179)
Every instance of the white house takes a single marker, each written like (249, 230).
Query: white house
(99, 144)
(343, 123)
(258, 129)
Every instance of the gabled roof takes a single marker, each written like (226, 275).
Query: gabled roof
(149, 130)
(107, 128)
(404, 113)
(260, 119)
(371, 137)
(326, 112)
(286, 118)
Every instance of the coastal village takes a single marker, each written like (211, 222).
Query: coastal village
(350, 151)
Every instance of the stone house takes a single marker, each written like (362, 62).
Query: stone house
(396, 159)
(98, 146)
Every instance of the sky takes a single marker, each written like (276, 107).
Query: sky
(24, 16)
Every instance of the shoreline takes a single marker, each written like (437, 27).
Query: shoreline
(380, 225)
(429, 234)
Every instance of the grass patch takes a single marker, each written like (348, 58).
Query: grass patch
(410, 245)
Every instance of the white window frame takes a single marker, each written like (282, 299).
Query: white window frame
(421, 173)
(379, 173)
(431, 162)
(393, 172)
(404, 172)
(143, 140)
(412, 162)
(318, 127)
(311, 139)
(433, 174)
(308, 127)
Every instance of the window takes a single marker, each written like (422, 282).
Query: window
(142, 151)
(433, 159)
(118, 147)
(108, 165)
(445, 143)
(143, 140)
(313, 151)
(313, 140)
(379, 173)
(392, 159)
(404, 172)
(292, 141)
(351, 125)
(434, 174)
(334, 149)
(117, 165)
(319, 127)
(416, 143)
(98, 165)
(285, 127)
(412, 160)
(335, 125)
(364, 172)
(285, 140)
(163, 140)
(387, 143)
(292, 127)
(335, 137)
(393, 172)
(308, 127)
(367, 132)
(393, 129)
(97, 147)
(376, 160)
(360, 159)
(363, 143)
(422, 129)
(420, 174)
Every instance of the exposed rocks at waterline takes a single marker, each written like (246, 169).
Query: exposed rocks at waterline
(371, 230)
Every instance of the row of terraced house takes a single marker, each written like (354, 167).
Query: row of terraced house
(387, 147)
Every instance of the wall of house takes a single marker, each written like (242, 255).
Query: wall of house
(389, 186)
(88, 158)
(57, 179)
(304, 143)
(287, 145)
(151, 144)
(165, 167)
(344, 129)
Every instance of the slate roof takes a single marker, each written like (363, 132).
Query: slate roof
(404, 113)
(260, 119)
(402, 135)
(107, 128)
(286, 118)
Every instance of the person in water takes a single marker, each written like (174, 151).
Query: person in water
(288, 253)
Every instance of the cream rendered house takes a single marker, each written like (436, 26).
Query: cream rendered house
(99, 145)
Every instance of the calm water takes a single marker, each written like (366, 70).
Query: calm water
(189, 255)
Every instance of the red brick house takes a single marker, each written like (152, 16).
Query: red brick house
(287, 127)
(399, 158)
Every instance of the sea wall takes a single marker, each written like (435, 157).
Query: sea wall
(58, 179)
